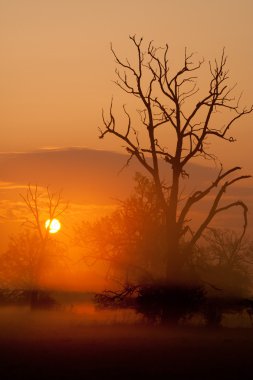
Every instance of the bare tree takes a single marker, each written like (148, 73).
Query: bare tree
(225, 260)
(54, 207)
(25, 264)
(33, 250)
(171, 103)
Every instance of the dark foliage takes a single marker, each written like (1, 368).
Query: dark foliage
(167, 303)
(159, 303)
(214, 308)
(126, 297)
(36, 299)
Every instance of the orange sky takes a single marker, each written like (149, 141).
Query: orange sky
(91, 181)
(57, 70)
(57, 73)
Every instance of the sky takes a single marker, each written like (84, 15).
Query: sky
(57, 73)
(57, 70)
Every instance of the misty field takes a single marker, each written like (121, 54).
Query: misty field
(78, 341)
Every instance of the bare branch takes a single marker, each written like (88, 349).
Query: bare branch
(215, 209)
(199, 195)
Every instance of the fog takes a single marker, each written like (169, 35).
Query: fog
(81, 341)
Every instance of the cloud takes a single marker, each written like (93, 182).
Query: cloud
(13, 186)
(91, 182)
(85, 175)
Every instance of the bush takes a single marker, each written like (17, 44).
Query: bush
(168, 303)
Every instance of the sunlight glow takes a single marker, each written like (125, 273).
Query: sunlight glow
(53, 225)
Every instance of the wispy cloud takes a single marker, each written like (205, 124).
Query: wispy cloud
(89, 179)
(14, 186)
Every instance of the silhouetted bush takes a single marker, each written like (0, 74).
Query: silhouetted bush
(126, 297)
(214, 308)
(168, 303)
(158, 303)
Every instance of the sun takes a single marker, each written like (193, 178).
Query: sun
(53, 226)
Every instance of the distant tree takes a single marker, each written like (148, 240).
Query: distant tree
(31, 252)
(42, 206)
(225, 260)
(170, 103)
(131, 239)
(24, 264)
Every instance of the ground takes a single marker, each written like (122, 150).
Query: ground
(37, 347)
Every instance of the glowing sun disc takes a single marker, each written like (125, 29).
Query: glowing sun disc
(53, 225)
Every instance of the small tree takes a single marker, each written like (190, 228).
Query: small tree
(24, 264)
(170, 103)
(31, 252)
(130, 240)
(225, 260)
(42, 206)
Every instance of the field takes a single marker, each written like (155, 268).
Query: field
(78, 344)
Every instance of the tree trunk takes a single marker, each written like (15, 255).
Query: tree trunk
(174, 262)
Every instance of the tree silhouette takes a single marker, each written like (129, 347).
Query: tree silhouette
(170, 104)
(54, 207)
(24, 265)
(31, 252)
(130, 240)
(225, 260)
